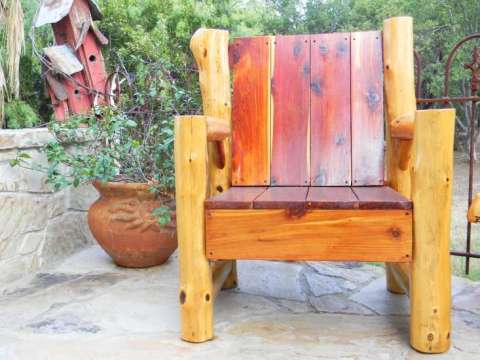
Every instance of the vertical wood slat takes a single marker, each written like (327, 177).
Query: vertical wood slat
(367, 108)
(330, 110)
(290, 163)
(250, 62)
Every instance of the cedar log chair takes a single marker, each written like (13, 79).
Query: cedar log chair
(296, 170)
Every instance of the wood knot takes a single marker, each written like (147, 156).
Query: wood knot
(296, 211)
(340, 140)
(182, 297)
(316, 88)
(321, 178)
(297, 48)
(235, 56)
(396, 232)
(430, 337)
(342, 49)
(373, 99)
(306, 68)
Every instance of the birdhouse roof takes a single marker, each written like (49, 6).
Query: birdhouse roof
(63, 59)
(52, 11)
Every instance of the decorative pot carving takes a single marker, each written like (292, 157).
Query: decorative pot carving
(122, 224)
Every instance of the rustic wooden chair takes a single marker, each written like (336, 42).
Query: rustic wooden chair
(299, 174)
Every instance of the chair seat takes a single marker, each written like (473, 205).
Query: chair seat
(309, 223)
(372, 197)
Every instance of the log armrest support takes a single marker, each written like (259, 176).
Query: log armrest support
(217, 132)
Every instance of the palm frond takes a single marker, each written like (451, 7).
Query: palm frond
(3, 12)
(3, 16)
(15, 42)
(2, 95)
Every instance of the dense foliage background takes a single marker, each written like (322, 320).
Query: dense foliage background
(156, 33)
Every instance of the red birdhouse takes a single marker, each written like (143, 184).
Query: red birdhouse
(75, 75)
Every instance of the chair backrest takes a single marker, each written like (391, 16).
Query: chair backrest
(308, 110)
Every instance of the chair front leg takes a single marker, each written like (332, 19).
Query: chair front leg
(196, 283)
(430, 289)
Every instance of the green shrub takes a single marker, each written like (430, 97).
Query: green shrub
(19, 114)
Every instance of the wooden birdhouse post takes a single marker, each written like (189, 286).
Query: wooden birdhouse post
(75, 74)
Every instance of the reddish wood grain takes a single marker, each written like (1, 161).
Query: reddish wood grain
(381, 197)
(79, 101)
(330, 110)
(291, 107)
(331, 198)
(58, 96)
(282, 197)
(91, 55)
(367, 108)
(325, 197)
(250, 61)
(235, 198)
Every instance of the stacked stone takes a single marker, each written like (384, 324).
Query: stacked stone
(38, 225)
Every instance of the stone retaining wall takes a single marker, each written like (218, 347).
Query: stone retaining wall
(38, 226)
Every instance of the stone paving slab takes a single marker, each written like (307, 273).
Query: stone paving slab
(87, 308)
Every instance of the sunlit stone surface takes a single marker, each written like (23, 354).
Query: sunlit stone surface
(87, 308)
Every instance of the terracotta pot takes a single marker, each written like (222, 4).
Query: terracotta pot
(122, 223)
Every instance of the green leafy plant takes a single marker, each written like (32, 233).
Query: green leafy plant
(107, 146)
(131, 142)
(19, 114)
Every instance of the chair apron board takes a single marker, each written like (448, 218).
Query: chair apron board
(301, 223)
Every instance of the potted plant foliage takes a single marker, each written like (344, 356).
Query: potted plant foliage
(125, 151)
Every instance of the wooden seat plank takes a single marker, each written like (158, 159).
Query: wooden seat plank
(367, 108)
(250, 62)
(282, 197)
(291, 110)
(330, 110)
(331, 198)
(235, 198)
(380, 197)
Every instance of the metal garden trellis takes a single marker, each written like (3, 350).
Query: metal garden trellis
(474, 99)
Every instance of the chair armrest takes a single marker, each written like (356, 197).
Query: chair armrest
(402, 126)
(217, 129)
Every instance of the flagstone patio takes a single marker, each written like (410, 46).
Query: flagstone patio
(87, 308)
